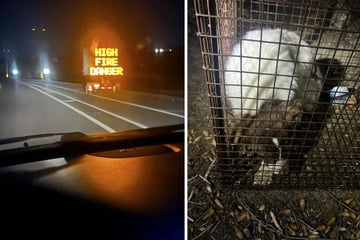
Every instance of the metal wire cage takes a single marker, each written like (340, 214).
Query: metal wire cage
(283, 86)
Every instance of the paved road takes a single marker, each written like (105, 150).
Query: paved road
(39, 106)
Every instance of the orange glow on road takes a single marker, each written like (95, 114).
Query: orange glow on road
(139, 184)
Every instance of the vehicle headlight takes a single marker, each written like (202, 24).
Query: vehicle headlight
(46, 71)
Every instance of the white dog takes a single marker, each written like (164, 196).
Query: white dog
(269, 65)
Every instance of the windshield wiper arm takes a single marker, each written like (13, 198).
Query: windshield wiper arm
(75, 144)
(37, 136)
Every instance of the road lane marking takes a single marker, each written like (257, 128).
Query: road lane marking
(97, 108)
(70, 100)
(142, 106)
(97, 122)
(124, 102)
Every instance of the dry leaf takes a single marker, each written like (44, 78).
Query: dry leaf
(208, 188)
(313, 236)
(286, 211)
(205, 133)
(205, 154)
(293, 226)
(353, 203)
(352, 101)
(197, 139)
(238, 233)
(353, 215)
(235, 213)
(262, 207)
(302, 204)
(327, 229)
(292, 231)
(218, 203)
(213, 142)
(242, 216)
(321, 228)
(209, 213)
(331, 220)
(348, 201)
(345, 214)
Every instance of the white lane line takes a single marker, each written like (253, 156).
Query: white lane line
(97, 122)
(128, 103)
(69, 100)
(141, 106)
(97, 108)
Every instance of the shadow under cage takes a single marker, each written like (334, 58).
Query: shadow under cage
(283, 85)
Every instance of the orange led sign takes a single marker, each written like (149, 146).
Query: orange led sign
(106, 62)
(106, 52)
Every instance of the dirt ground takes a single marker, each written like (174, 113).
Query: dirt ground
(218, 213)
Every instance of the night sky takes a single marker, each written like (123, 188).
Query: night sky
(67, 22)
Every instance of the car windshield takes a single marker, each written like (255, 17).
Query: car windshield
(90, 66)
(92, 118)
